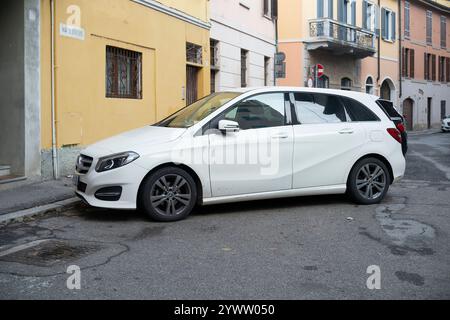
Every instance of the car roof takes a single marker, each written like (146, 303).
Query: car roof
(351, 94)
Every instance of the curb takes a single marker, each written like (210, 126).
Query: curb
(424, 132)
(20, 216)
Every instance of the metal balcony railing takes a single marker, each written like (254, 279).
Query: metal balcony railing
(341, 33)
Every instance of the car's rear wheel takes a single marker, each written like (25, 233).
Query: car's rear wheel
(368, 182)
(169, 194)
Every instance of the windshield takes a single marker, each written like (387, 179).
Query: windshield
(192, 114)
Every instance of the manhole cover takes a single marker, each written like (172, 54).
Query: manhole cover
(49, 253)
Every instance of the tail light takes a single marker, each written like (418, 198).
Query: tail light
(401, 127)
(395, 133)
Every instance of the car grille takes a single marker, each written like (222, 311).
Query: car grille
(84, 163)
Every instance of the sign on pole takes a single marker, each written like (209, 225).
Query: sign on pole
(320, 70)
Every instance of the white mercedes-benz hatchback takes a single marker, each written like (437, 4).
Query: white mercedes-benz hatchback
(247, 144)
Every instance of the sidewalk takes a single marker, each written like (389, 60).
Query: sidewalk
(423, 132)
(35, 197)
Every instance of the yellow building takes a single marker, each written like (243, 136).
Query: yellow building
(341, 35)
(117, 65)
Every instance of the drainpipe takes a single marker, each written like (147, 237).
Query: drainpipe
(54, 147)
(400, 89)
(276, 50)
(379, 50)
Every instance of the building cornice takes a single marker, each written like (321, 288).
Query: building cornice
(435, 5)
(235, 28)
(174, 13)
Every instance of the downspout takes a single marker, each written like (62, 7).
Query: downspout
(400, 90)
(54, 148)
(379, 50)
(276, 51)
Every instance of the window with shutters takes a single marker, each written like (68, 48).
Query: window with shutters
(447, 69)
(123, 73)
(407, 19)
(369, 15)
(325, 8)
(388, 22)
(426, 64)
(408, 63)
(443, 32)
(429, 27)
(347, 11)
(433, 67)
(442, 67)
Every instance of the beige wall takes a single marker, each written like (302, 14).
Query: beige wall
(83, 113)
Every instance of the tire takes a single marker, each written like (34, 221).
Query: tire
(362, 187)
(168, 195)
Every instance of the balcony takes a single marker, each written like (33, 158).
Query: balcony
(340, 38)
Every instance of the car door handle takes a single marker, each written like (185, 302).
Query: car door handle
(280, 136)
(346, 131)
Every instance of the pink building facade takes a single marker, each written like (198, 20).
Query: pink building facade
(425, 63)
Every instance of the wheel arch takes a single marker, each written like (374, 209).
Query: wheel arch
(184, 167)
(379, 157)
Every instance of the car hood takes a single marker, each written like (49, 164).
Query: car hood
(134, 140)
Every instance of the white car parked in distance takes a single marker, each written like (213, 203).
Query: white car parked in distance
(247, 144)
(446, 124)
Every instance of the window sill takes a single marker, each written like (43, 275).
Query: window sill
(267, 17)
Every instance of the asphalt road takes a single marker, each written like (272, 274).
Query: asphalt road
(300, 248)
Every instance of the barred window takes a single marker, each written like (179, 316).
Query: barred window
(123, 73)
(194, 53)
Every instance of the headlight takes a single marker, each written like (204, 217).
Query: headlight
(115, 161)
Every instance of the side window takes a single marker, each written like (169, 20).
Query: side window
(318, 108)
(357, 111)
(262, 111)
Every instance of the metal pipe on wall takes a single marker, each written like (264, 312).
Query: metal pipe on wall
(54, 147)
(400, 90)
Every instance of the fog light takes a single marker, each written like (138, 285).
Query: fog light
(109, 194)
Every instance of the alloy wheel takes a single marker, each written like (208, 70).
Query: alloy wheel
(371, 181)
(170, 195)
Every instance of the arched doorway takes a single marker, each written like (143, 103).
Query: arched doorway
(408, 107)
(387, 90)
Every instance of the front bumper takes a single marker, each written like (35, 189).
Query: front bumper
(128, 178)
(445, 127)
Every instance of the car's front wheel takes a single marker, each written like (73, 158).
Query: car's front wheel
(368, 182)
(169, 194)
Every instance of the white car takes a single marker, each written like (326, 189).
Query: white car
(247, 144)
(446, 124)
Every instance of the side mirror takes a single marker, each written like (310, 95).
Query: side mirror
(228, 126)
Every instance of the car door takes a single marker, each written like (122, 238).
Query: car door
(258, 158)
(325, 142)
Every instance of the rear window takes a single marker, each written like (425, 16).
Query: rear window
(357, 111)
(389, 109)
